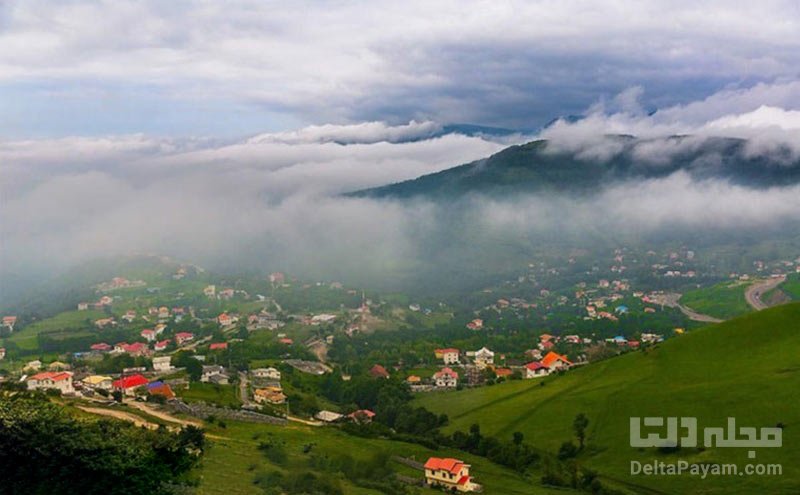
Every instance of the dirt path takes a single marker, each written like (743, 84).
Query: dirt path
(119, 415)
(758, 289)
(671, 300)
(145, 408)
(304, 421)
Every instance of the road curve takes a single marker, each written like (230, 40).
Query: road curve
(754, 292)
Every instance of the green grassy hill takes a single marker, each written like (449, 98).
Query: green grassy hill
(724, 300)
(747, 368)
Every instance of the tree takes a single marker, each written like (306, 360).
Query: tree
(579, 425)
(518, 438)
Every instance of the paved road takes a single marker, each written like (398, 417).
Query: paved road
(244, 395)
(755, 291)
(671, 300)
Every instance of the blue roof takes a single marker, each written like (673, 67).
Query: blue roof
(619, 337)
(155, 384)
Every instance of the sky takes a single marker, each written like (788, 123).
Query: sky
(223, 133)
(230, 69)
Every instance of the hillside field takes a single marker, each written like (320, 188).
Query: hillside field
(747, 368)
(724, 300)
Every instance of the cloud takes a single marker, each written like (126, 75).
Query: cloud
(517, 63)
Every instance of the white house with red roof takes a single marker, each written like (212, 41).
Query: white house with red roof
(182, 337)
(161, 346)
(149, 334)
(137, 349)
(446, 378)
(224, 319)
(100, 347)
(61, 381)
(129, 384)
(555, 361)
(9, 322)
(534, 370)
(450, 474)
(475, 324)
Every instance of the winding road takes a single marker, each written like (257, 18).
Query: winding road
(758, 289)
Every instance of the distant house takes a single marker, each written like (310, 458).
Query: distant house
(271, 395)
(129, 316)
(361, 416)
(162, 363)
(34, 365)
(534, 369)
(56, 380)
(276, 278)
(58, 366)
(129, 384)
(286, 341)
(224, 319)
(183, 337)
(159, 328)
(226, 294)
(554, 361)
(214, 374)
(83, 306)
(450, 474)
(210, 291)
(161, 345)
(160, 388)
(137, 349)
(449, 355)
(328, 416)
(446, 378)
(100, 347)
(534, 354)
(266, 373)
(218, 346)
(163, 312)
(98, 382)
(104, 322)
(2, 353)
(475, 324)
(483, 357)
(378, 371)
(503, 372)
(413, 380)
(149, 334)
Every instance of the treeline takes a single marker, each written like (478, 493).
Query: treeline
(46, 450)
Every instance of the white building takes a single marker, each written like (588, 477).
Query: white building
(61, 381)
(446, 378)
(162, 363)
(483, 357)
(266, 373)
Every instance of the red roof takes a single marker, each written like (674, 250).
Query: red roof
(503, 372)
(362, 412)
(379, 371)
(444, 372)
(132, 381)
(102, 346)
(447, 464)
(463, 480)
(51, 375)
(286, 341)
(218, 345)
(446, 351)
(534, 366)
(162, 345)
(136, 347)
(552, 357)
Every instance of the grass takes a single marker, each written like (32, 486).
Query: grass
(231, 463)
(792, 286)
(724, 300)
(747, 368)
(27, 338)
(220, 395)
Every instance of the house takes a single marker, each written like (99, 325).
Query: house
(554, 361)
(160, 388)
(449, 355)
(2, 353)
(149, 334)
(272, 395)
(226, 294)
(129, 384)
(58, 366)
(534, 369)
(161, 346)
(224, 319)
(266, 373)
(182, 337)
(378, 371)
(483, 357)
(534, 354)
(322, 319)
(160, 328)
(97, 382)
(277, 278)
(286, 341)
(214, 374)
(54, 380)
(475, 324)
(446, 378)
(450, 474)
(361, 416)
(413, 380)
(136, 349)
(83, 306)
(105, 301)
(129, 316)
(210, 291)
(546, 345)
(503, 372)
(34, 365)
(100, 347)
(104, 322)
(218, 346)
(328, 416)
(162, 363)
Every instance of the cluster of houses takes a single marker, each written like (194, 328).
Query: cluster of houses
(267, 388)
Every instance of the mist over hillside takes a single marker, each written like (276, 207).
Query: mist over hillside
(281, 201)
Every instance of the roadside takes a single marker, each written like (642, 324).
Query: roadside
(758, 289)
